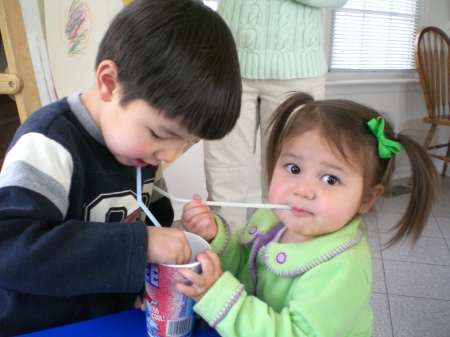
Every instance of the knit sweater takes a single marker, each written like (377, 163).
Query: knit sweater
(320, 287)
(278, 39)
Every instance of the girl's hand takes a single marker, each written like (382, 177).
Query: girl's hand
(197, 219)
(201, 283)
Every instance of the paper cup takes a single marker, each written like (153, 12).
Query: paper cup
(168, 312)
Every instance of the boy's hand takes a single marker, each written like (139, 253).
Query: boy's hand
(198, 219)
(167, 245)
(211, 272)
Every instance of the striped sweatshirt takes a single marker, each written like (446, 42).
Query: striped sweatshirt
(73, 245)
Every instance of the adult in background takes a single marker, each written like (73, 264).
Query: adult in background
(280, 49)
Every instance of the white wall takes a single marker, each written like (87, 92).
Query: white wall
(438, 14)
(402, 101)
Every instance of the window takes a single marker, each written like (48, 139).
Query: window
(374, 35)
(211, 3)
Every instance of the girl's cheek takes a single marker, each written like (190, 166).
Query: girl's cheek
(276, 193)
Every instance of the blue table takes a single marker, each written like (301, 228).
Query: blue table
(123, 324)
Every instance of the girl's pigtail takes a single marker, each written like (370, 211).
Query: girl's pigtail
(425, 191)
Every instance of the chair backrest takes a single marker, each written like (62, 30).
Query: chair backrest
(433, 65)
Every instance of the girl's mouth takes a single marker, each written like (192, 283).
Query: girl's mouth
(300, 212)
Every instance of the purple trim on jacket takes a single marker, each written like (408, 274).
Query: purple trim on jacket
(258, 240)
(228, 306)
(227, 231)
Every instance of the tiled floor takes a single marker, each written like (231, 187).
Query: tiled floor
(411, 285)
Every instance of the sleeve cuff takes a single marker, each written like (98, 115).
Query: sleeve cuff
(219, 299)
(222, 239)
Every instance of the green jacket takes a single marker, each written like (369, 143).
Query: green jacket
(321, 287)
(278, 39)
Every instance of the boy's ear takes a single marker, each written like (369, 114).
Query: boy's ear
(106, 79)
(370, 198)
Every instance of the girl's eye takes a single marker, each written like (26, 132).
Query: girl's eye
(294, 169)
(330, 180)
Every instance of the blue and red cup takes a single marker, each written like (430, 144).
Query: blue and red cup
(168, 312)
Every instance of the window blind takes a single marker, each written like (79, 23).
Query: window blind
(376, 35)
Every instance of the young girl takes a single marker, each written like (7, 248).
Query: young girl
(307, 271)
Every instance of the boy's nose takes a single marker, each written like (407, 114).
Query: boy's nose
(169, 155)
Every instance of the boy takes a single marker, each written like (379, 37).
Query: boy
(167, 73)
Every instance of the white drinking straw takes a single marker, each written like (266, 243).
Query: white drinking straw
(139, 198)
(210, 203)
(221, 203)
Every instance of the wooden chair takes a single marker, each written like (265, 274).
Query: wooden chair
(433, 66)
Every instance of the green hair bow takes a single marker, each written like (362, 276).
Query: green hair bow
(385, 146)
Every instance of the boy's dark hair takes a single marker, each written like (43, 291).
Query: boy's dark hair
(180, 57)
(343, 125)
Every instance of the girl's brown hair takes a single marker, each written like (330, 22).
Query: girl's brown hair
(343, 124)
